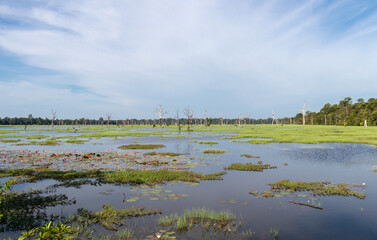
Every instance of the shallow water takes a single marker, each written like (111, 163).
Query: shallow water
(341, 217)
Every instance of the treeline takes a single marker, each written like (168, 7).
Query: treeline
(101, 121)
(346, 113)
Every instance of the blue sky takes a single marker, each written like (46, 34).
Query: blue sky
(91, 57)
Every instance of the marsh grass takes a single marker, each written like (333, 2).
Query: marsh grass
(76, 141)
(249, 167)
(208, 142)
(168, 154)
(199, 216)
(10, 140)
(249, 156)
(322, 188)
(142, 146)
(213, 151)
(151, 177)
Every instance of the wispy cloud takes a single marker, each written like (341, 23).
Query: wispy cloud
(227, 57)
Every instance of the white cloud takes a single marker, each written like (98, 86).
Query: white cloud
(244, 57)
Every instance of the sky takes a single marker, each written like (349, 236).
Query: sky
(89, 58)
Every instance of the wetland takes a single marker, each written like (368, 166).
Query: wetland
(141, 182)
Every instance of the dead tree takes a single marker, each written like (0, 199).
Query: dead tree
(160, 110)
(239, 119)
(178, 121)
(205, 118)
(189, 114)
(108, 116)
(273, 117)
(221, 120)
(53, 112)
(303, 113)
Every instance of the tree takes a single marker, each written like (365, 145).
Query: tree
(108, 117)
(160, 110)
(53, 117)
(189, 114)
(178, 121)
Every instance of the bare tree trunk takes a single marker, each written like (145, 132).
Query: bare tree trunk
(325, 119)
(53, 117)
(108, 116)
(365, 123)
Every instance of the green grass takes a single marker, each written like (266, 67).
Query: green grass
(249, 167)
(213, 151)
(10, 140)
(208, 142)
(317, 188)
(219, 220)
(142, 146)
(151, 177)
(168, 154)
(249, 156)
(76, 141)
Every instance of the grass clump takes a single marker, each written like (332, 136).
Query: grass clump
(214, 151)
(249, 167)
(208, 142)
(112, 218)
(323, 188)
(249, 156)
(200, 216)
(10, 140)
(151, 177)
(75, 141)
(168, 154)
(47, 142)
(142, 146)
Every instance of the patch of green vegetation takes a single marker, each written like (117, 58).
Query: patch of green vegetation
(33, 136)
(10, 140)
(110, 217)
(249, 167)
(76, 141)
(317, 188)
(200, 216)
(51, 231)
(169, 154)
(151, 177)
(142, 146)
(47, 142)
(208, 142)
(249, 156)
(213, 151)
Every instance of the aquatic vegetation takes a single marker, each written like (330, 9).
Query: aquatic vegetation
(76, 141)
(249, 167)
(249, 234)
(47, 142)
(142, 146)
(208, 142)
(213, 151)
(10, 140)
(200, 216)
(110, 217)
(151, 177)
(124, 234)
(317, 188)
(169, 154)
(374, 168)
(51, 231)
(249, 156)
(266, 194)
(274, 232)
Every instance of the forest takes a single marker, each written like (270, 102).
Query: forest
(346, 113)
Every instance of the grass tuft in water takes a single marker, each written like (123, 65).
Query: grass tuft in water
(200, 216)
(142, 146)
(249, 167)
(214, 151)
(324, 188)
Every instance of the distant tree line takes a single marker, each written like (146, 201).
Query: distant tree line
(346, 113)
